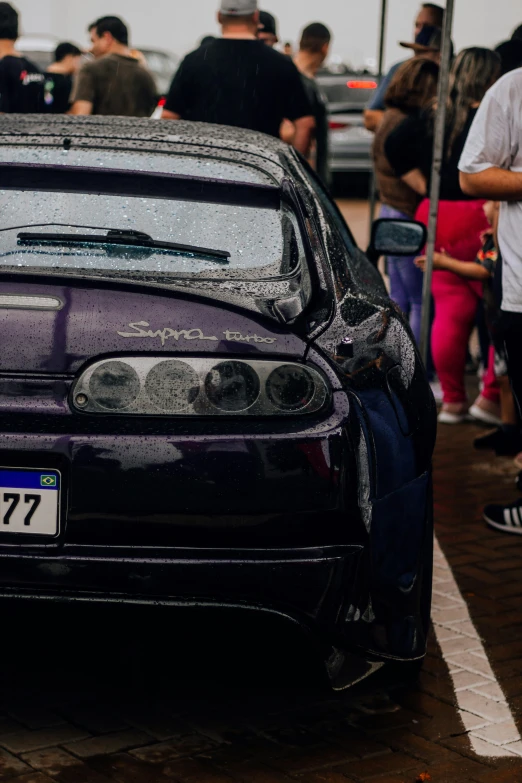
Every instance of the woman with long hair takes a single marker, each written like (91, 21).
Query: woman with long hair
(411, 91)
(460, 226)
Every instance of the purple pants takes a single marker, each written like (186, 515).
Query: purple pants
(406, 280)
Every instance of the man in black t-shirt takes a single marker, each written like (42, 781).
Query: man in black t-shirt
(59, 78)
(21, 82)
(313, 51)
(237, 80)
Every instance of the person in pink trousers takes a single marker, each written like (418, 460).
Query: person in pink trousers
(460, 226)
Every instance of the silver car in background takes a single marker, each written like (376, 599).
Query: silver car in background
(347, 95)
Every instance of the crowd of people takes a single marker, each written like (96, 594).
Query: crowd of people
(241, 79)
(477, 278)
(238, 79)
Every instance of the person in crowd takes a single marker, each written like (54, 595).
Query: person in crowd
(237, 80)
(288, 49)
(411, 91)
(461, 221)
(505, 439)
(510, 52)
(21, 81)
(267, 30)
(59, 78)
(491, 168)
(313, 51)
(517, 34)
(115, 83)
(429, 14)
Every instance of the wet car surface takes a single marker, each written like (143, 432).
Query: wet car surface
(143, 694)
(206, 374)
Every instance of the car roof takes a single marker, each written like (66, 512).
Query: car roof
(147, 136)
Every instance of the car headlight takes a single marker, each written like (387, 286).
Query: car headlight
(200, 387)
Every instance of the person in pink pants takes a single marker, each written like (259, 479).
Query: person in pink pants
(460, 226)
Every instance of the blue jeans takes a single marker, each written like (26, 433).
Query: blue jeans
(406, 280)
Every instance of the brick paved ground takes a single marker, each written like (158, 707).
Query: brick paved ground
(75, 706)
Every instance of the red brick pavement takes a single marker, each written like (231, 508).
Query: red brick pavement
(75, 729)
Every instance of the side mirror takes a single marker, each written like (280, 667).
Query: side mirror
(394, 237)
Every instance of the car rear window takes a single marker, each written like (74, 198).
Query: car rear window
(257, 239)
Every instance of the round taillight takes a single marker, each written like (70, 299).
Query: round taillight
(290, 387)
(172, 385)
(232, 386)
(114, 385)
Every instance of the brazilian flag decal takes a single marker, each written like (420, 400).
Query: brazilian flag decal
(48, 481)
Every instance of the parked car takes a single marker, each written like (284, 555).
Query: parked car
(163, 66)
(347, 96)
(206, 396)
(39, 49)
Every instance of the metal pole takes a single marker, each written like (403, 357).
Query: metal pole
(382, 43)
(438, 153)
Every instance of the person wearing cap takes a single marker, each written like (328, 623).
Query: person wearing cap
(267, 28)
(429, 14)
(427, 44)
(237, 80)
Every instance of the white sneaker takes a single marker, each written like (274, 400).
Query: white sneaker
(485, 416)
(445, 417)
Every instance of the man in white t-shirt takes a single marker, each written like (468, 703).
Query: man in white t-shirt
(491, 167)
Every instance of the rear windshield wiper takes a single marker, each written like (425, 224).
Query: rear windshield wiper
(120, 237)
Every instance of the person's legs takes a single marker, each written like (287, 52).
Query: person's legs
(509, 518)
(412, 281)
(410, 286)
(513, 343)
(486, 407)
(491, 390)
(398, 292)
(455, 310)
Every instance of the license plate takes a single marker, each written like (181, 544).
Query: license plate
(29, 501)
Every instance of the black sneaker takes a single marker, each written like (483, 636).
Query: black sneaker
(505, 441)
(505, 518)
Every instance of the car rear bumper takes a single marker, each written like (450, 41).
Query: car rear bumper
(270, 522)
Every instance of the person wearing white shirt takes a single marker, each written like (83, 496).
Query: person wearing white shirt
(491, 168)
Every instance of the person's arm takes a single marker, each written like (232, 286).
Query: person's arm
(82, 108)
(470, 270)
(299, 109)
(416, 180)
(169, 115)
(374, 112)
(304, 129)
(175, 104)
(488, 152)
(372, 119)
(403, 149)
(84, 91)
(494, 183)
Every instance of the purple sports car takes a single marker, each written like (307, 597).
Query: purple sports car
(206, 396)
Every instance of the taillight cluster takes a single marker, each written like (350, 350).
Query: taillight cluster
(199, 387)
